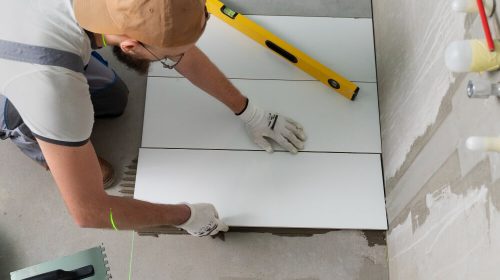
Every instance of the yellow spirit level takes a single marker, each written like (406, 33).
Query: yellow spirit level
(343, 86)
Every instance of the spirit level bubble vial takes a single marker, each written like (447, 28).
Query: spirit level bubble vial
(340, 84)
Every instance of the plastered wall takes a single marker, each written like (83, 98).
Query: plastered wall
(443, 200)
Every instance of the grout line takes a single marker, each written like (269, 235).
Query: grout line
(251, 79)
(263, 79)
(131, 256)
(379, 116)
(249, 150)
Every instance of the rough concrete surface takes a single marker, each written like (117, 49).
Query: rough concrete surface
(442, 198)
(459, 240)
(335, 255)
(35, 225)
(411, 73)
(472, 29)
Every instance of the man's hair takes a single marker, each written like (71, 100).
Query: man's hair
(141, 66)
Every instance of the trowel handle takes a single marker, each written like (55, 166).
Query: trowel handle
(77, 274)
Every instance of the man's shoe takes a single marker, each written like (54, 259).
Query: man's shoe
(108, 174)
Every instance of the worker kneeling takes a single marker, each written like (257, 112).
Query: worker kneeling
(53, 86)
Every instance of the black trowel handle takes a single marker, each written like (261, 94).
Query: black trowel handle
(77, 274)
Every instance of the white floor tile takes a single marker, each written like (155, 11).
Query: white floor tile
(256, 189)
(344, 45)
(179, 115)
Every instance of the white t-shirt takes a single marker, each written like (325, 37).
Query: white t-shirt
(53, 101)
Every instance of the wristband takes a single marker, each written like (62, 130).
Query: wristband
(244, 108)
(251, 113)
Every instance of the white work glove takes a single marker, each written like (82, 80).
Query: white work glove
(263, 124)
(204, 220)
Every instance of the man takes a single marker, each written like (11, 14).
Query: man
(47, 71)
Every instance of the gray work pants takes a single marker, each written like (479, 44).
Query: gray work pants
(108, 93)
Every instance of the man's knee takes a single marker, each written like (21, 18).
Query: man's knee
(108, 92)
(110, 101)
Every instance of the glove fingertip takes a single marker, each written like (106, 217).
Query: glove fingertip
(303, 136)
(264, 144)
(221, 227)
(267, 148)
(301, 146)
(290, 148)
(224, 228)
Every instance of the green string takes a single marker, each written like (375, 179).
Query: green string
(131, 251)
(131, 255)
(103, 41)
(111, 219)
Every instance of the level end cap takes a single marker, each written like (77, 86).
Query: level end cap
(355, 94)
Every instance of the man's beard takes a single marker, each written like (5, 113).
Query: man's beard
(141, 66)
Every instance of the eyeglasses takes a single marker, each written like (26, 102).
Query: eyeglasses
(168, 62)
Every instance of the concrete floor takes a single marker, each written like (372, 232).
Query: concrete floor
(35, 225)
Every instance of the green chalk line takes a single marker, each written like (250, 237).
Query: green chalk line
(131, 256)
(111, 219)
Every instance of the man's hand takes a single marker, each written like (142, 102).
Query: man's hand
(261, 124)
(204, 220)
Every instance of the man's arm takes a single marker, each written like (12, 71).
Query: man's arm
(78, 175)
(201, 72)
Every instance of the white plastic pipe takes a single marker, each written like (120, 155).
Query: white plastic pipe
(472, 56)
(476, 143)
(470, 6)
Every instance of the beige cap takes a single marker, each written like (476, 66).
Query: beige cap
(160, 23)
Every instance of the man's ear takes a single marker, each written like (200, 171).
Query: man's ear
(129, 46)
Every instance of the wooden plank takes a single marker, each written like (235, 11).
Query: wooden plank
(179, 115)
(255, 189)
(345, 45)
